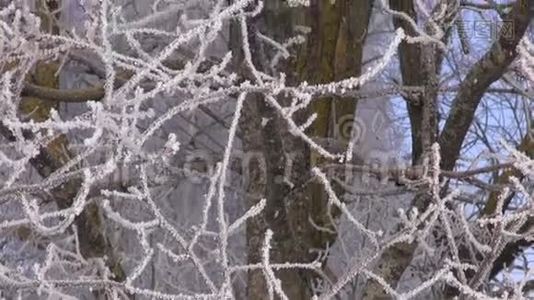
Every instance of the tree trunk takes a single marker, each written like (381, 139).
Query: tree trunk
(334, 50)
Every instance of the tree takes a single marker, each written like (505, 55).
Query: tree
(177, 150)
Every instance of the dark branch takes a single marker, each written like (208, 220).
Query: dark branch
(486, 71)
(70, 96)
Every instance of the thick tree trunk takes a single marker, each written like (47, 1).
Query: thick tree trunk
(334, 50)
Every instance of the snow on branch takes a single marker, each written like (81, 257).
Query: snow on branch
(115, 146)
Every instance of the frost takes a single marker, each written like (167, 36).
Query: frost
(110, 166)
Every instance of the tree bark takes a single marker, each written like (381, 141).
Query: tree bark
(334, 50)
